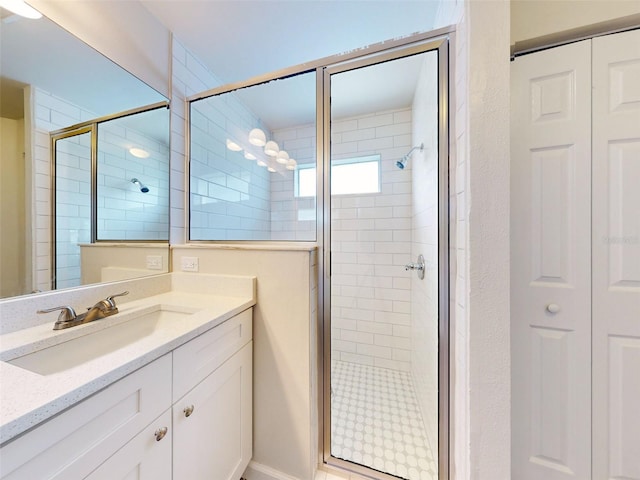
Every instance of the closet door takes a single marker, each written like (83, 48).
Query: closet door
(616, 256)
(551, 257)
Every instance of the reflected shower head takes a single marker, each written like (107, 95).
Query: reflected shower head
(403, 161)
(143, 188)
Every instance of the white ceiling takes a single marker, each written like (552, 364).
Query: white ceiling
(239, 40)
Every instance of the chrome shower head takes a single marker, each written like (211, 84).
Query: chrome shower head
(403, 161)
(143, 188)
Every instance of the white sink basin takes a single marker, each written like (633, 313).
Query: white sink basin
(80, 350)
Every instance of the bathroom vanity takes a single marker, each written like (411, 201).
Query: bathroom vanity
(161, 390)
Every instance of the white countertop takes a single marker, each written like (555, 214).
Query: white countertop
(28, 398)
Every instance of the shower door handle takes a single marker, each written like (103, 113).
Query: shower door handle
(418, 266)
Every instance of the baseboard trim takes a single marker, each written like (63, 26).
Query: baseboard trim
(258, 471)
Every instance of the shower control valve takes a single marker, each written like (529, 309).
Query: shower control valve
(418, 266)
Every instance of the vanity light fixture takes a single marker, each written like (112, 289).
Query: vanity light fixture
(233, 146)
(282, 157)
(139, 152)
(291, 164)
(257, 137)
(271, 148)
(19, 7)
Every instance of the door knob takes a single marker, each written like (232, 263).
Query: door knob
(553, 308)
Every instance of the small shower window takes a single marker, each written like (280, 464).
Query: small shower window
(349, 176)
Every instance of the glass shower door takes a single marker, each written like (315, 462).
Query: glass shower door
(384, 196)
(72, 216)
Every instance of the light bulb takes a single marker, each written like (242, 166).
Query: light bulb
(257, 137)
(233, 146)
(271, 148)
(282, 157)
(291, 164)
(139, 152)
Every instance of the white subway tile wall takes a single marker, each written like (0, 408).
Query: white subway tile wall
(371, 243)
(230, 195)
(124, 211)
(126, 215)
(293, 218)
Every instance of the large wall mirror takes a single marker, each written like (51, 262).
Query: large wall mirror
(84, 164)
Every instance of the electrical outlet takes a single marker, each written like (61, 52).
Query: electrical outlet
(154, 262)
(189, 264)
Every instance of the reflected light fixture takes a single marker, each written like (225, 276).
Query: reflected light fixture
(139, 152)
(271, 148)
(282, 157)
(233, 146)
(271, 169)
(291, 164)
(257, 137)
(261, 163)
(249, 156)
(19, 7)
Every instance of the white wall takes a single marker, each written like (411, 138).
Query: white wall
(13, 274)
(424, 240)
(536, 18)
(130, 36)
(487, 212)
(479, 230)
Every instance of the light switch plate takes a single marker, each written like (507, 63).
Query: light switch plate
(189, 264)
(154, 262)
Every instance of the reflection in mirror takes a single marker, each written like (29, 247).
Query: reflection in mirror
(51, 81)
(247, 147)
(133, 177)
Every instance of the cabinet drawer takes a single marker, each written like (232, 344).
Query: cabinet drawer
(194, 361)
(73, 443)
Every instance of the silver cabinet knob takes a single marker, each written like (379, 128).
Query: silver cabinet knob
(553, 308)
(160, 433)
(188, 411)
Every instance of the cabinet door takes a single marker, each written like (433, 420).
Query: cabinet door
(146, 457)
(214, 442)
(616, 256)
(550, 263)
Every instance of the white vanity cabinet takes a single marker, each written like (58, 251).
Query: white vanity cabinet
(212, 421)
(186, 415)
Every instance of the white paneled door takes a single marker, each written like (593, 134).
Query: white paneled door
(575, 226)
(616, 256)
(551, 231)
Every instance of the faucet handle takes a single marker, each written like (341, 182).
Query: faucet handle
(66, 315)
(112, 302)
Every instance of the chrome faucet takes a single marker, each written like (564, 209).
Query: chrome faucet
(68, 317)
